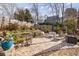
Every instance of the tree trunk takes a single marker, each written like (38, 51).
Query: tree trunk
(71, 5)
(37, 14)
(2, 23)
(9, 22)
(63, 14)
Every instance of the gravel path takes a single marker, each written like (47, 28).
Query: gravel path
(38, 45)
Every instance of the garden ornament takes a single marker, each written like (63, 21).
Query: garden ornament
(6, 44)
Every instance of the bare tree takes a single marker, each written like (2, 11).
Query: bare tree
(2, 21)
(35, 11)
(78, 19)
(8, 9)
(62, 10)
(2, 17)
(52, 8)
(71, 5)
(57, 9)
(63, 13)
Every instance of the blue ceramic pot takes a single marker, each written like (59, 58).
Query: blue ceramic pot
(6, 44)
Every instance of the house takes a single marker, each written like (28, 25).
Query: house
(52, 19)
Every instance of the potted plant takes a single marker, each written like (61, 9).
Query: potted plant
(7, 43)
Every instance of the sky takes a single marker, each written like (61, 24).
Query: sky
(75, 5)
(44, 11)
(29, 6)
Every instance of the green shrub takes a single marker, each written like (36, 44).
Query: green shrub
(45, 23)
(70, 23)
(45, 28)
(37, 33)
(58, 28)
